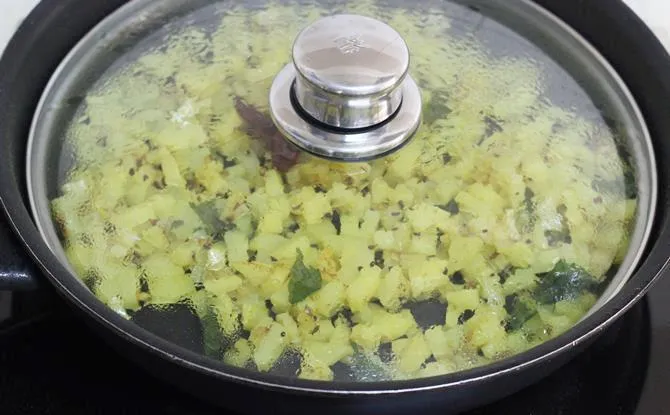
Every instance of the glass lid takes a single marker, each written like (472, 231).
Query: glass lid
(343, 190)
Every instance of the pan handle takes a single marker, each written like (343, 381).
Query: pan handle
(17, 270)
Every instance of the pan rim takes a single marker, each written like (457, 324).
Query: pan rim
(188, 359)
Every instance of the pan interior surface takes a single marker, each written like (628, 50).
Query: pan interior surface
(147, 177)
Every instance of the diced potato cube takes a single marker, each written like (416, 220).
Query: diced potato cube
(210, 176)
(280, 300)
(366, 336)
(328, 264)
(478, 267)
(186, 136)
(425, 243)
(394, 325)
(330, 298)
(171, 169)
(383, 327)
(496, 349)
(163, 206)
(81, 257)
(355, 254)
(275, 281)
(486, 199)
(385, 240)
(491, 290)
(168, 283)
(349, 225)
(265, 245)
(463, 250)
(256, 273)
(425, 216)
(520, 280)
(393, 289)
(370, 223)
(517, 342)
(397, 346)
(270, 347)
(118, 283)
(414, 354)
(574, 311)
(322, 330)
(402, 194)
(276, 214)
(447, 189)
(558, 323)
(323, 233)
(290, 326)
(485, 327)
(467, 299)
(274, 185)
(327, 353)
(380, 191)
(155, 236)
(438, 342)
(134, 216)
(254, 313)
(455, 337)
(545, 260)
(237, 245)
(258, 202)
(223, 285)
(363, 288)
(313, 206)
(341, 333)
(519, 254)
(426, 278)
(369, 313)
(227, 313)
(314, 369)
(436, 369)
(601, 261)
(289, 250)
(240, 353)
(404, 162)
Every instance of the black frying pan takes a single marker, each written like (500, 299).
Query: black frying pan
(56, 25)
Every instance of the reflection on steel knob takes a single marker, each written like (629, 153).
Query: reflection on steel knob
(350, 71)
(347, 95)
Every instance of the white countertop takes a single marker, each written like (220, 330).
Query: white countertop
(655, 12)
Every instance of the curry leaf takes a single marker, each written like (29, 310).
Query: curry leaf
(437, 108)
(209, 215)
(519, 311)
(213, 337)
(303, 281)
(564, 282)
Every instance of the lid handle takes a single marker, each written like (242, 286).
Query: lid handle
(350, 71)
(347, 95)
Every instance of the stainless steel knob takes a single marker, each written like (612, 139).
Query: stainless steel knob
(347, 95)
(350, 71)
